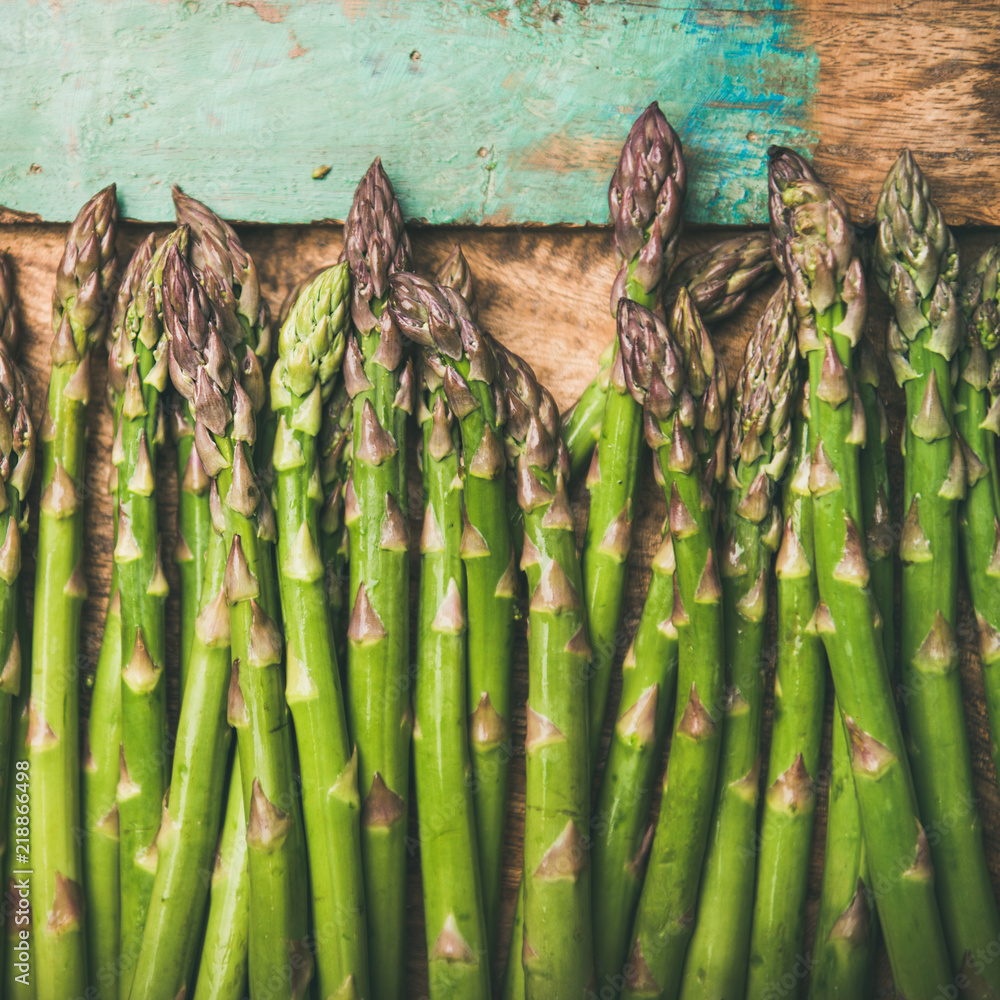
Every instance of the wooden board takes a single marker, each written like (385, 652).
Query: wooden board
(486, 111)
(544, 293)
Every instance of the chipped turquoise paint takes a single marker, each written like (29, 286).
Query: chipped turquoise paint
(483, 111)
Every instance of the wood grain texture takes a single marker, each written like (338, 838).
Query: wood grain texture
(545, 294)
(486, 111)
(918, 73)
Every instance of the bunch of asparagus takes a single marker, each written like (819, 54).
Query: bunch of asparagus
(279, 869)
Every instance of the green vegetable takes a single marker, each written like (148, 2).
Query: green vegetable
(224, 387)
(916, 263)
(80, 318)
(786, 830)
(440, 319)
(683, 388)
(828, 284)
(380, 384)
(977, 419)
(222, 968)
(557, 951)
(766, 392)
(310, 351)
(102, 760)
(137, 376)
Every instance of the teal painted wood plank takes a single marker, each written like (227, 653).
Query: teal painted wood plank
(484, 111)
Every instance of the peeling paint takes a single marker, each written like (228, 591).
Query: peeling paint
(483, 110)
(268, 12)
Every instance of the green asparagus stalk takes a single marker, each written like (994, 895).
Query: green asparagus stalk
(916, 263)
(457, 953)
(622, 836)
(720, 280)
(311, 348)
(193, 534)
(875, 491)
(766, 390)
(843, 955)
(189, 831)
(683, 388)
(229, 276)
(648, 679)
(222, 968)
(440, 320)
(17, 460)
(646, 198)
(80, 319)
(293, 293)
(335, 474)
(224, 386)
(18, 979)
(16, 468)
(829, 289)
(102, 758)
(790, 798)
(977, 419)
(581, 423)
(380, 383)
(557, 953)
(137, 376)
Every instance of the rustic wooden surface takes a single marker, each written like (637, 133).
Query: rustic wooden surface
(487, 111)
(544, 293)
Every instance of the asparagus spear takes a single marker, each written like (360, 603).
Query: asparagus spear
(16, 467)
(311, 347)
(18, 980)
(440, 320)
(976, 419)
(17, 461)
(229, 276)
(335, 473)
(646, 198)
(828, 284)
(719, 279)
(875, 492)
(455, 273)
(137, 376)
(581, 423)
(622, 836)
(844, 949)
(101, 764)
(457, 953)
(790, 799)
(766, 390)
(683, 388)
(843, 955)
(80, 318)
(223, 383)
(557, 951)
(222, 968)
(916, 263)
(380, 384)
(189, 831)
(193, 533)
